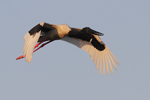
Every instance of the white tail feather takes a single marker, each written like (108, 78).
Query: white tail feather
(30, 42)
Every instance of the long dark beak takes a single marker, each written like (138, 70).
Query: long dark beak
(96, 33)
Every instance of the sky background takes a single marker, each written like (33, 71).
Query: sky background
(61, 71)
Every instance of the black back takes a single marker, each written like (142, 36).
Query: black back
(87, 34)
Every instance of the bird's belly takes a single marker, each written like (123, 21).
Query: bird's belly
(53, 35)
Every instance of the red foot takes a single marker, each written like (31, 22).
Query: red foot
(20, 57)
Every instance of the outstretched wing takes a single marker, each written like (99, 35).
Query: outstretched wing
(103, 58)
(32, 37)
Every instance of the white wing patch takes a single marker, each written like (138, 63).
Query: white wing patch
(102, 59)
(30, 42)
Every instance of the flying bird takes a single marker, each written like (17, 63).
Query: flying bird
(85, 38)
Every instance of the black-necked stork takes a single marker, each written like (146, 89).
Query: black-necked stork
(85, 38)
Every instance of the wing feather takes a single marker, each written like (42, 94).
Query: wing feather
(109, 63)
(103, 63)
(97, 61)
(95, 57)
(100, 64)
(106, 65)
(102, 59)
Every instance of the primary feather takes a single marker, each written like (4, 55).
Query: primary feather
(100, 58)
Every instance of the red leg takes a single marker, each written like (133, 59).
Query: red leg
(35, 47)
(38, 44)
(42, 46)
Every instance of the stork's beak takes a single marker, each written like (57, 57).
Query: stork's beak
(96, 33)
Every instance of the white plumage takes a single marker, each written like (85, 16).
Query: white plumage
(100, 58)
(30, 42)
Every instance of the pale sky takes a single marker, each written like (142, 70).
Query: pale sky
(61, 71)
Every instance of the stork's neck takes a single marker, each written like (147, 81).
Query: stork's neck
(63, 30)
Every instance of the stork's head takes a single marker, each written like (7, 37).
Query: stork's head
(91, 31)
